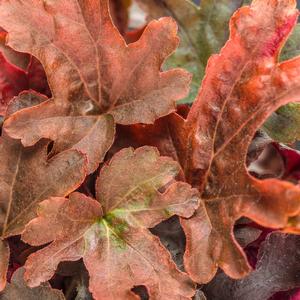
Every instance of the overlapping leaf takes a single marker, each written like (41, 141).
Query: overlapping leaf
(28, 177)
(111, 233)
(203, 31)
(277, 270)
(244, 84)
(91, 72)
(18, 290)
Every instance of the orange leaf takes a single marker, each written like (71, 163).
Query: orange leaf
(244, 84)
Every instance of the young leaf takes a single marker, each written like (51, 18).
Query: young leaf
(244, 84)
(91, 71)
(18, 289)
(277, 270)
(111, 234)
(203, 31)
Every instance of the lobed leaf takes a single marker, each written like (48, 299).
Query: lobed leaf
(111, 234)
(27, 177)
(243, 86)
(91, 72)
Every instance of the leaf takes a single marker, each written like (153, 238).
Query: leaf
(91, 135)
(27, 176)
(244, 85)
(277, 270)
(18, 290)
(203, 31)
(111, 233)
(91, 71)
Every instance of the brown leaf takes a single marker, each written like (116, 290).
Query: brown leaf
(27, 176)
(244, 84)
(112, 237)
(91, 70)
(18, 290)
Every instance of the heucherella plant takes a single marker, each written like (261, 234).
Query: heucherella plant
(116, 190)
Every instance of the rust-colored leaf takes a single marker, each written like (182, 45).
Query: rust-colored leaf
(111, 234)
(244, 84)
(17, 290)
(91, 71)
